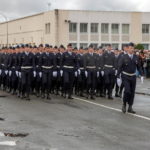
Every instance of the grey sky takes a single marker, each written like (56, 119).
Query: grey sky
(18, 8)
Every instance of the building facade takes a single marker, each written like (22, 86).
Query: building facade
(78, 27)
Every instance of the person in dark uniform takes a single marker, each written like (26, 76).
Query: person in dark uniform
(47, 64)
(39, 52)
(27, 64)
(12, 71)
(100, 73)
(69, 66)
(90, 71)
(109, 70)
(127, 70)
(81, 72)
(125, 49)
(59, 86)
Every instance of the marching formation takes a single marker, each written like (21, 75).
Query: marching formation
(89, 73)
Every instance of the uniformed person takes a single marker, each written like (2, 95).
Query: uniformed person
(27, 65)
(127, 70)
(109, 70)
(48, 64)
(68, 66)
(90, 71)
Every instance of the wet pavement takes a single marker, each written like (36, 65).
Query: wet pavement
(79, 125)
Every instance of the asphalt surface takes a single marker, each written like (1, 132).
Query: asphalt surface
(79, 125)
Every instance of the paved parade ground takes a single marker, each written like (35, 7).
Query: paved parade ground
(79, 125)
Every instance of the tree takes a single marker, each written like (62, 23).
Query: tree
(139, 47)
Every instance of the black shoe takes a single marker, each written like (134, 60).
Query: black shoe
(124, 109)
(81, 95)
(116, 95)
(110, 97)
(92, 98)
(120, 95)
(87, 96)
(130, 110)
(70, 97)
(28, 98)
(48, 97)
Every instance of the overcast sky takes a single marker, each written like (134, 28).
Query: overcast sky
(18, 8)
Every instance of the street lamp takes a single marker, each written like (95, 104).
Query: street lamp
(6, 19)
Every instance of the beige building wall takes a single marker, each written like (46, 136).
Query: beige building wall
(136, 27)
(32, 29)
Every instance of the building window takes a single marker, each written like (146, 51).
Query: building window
(146, 46)
(104, 28)
(94, 27)
(84, 45)
(72, 27)
(74, 45)
(104, 45)
(83, 27)
(95, 45)
(47, 28)
(125, 28)
(115, 28)
(145, 28)
(114, 46)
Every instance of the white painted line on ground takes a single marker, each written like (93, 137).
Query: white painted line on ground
(8, 143)
(111, 108)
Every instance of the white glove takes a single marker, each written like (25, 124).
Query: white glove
(10, 73)
(79, 71)
(119, 82)
(98, 74)
(61, 73)
(6, 72)
(86, 74)
(40, 74)
(17, 73)
(34, 74)
(54, 73)
(116, 71)
(102, 73)
(142, 79)
(76, 74)
(0, 72)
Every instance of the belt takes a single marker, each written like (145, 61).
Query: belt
(58, 66)
(26, 67)
(81, 68)
(129, 74)
(47, 67)
(109, 66)
(13, 67)
(99, 68)
(90, 67)
(70, 67)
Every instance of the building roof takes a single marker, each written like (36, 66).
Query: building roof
(73, 10)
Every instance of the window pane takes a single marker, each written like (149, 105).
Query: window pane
(72, 27)
(94, 27)
(104, 28)
(125, 28)
(83, 27)
(115, 28)
(146, 46)
(84, 45)
(145, 28)
(114, 46)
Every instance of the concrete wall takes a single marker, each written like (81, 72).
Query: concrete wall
(32, 29)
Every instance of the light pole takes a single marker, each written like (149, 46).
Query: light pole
(6, 19)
